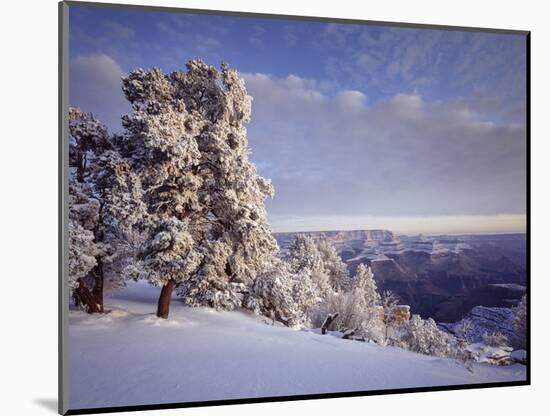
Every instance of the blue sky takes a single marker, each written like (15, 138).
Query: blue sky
(358, 126)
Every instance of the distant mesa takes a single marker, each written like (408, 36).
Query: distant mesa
(364, 235)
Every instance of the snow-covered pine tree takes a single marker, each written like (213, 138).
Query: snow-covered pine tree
(335, 268)
(100, 189)
(83, 250)
(206, 226)
(239, 244)
(304, 256)
(118, 189)
(365, 285)
(305, 294)
(87, 136)
(160, 143)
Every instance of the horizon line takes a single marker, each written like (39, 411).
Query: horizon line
(403, 225)
(400, 233)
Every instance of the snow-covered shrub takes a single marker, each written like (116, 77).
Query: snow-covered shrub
(353, 314)
(388, 301)
(464, 330)
(373, 327)
(348, 307)
(423, 336)
(496, 339)
(283, 296)
(357, 306)
(460, 344)
(460, 351)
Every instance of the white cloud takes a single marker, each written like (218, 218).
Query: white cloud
(408, 105)
(95, 86)
(350, 100)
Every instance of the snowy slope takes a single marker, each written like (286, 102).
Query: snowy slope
(129, 357)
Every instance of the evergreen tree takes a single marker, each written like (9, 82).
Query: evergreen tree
(206, 228)
(83, 214)
(334, 267)
(304, 257)
(366, 287)
(104, 201)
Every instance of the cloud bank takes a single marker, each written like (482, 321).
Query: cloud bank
(332, 153)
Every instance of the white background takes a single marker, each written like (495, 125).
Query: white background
(28, 204)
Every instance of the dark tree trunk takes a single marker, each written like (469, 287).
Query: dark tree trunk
(164, 300)
(98, 286)
(84, 297)
(328, 320)
(91, 299)
(348, 334)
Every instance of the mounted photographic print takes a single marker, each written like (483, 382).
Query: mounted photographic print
(264, 208)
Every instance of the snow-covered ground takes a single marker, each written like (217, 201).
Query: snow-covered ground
(130, 357)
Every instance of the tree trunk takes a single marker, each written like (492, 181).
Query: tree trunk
(164, 300)
(91, 299)
(98, 287)
(83, 296)
(348, 334)
(328, 320)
